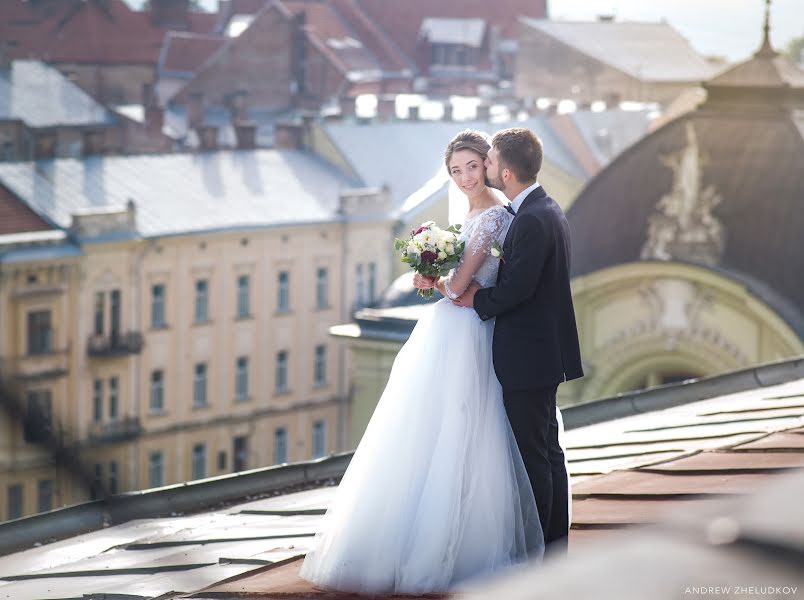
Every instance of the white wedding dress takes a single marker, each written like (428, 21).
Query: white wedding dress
(436, 492)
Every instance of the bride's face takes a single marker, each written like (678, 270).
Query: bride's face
(468, 172)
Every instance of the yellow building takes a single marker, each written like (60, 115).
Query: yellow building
(173, 322)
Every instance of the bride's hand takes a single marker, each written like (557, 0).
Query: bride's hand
(420, 282)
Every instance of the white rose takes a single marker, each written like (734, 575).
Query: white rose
(449, 249)
(441, 244)
(442, 255)
(495, 252)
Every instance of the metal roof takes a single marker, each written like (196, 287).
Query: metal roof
(646, 51)
(40, 96)
(405, 154)
(180, 193)
(663, 459)
(468, 32)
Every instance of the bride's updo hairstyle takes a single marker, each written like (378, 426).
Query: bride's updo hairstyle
(467, 140)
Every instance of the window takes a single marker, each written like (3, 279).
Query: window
(282, 372)
(15, 501)
(114, 477)
(320, 366)
(199, 461)
(44, 495)
(100, 304)
(359, 286)
(241, 379)
(96, 491)
(157, 404)
(201, 301)
(114, 404)
(40, 333)
(243, 297)
(322, 288)
(158, 306)
(372, 282)
(114, 311)
(39, 417)
(156, 470)
(222, 460)
(319, 438)
(240, 453)
(97, 401)
(200, 385)
(280, 446)
(283, 292)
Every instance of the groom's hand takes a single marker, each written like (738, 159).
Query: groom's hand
(467, 299)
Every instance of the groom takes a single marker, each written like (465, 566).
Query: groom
(535, 338)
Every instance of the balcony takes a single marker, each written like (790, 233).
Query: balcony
(118, 430)
(115, 344)
(38, 366)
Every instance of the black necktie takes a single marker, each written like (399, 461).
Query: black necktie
(510, 209)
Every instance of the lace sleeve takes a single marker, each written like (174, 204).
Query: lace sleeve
(477, 248)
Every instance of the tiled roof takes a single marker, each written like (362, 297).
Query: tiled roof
(665, 457)
(41, 96)
(336, 39)
(16, 217)
(646, 51)
(401, 21)
(186, 52)
(180, 193)
(87, 31)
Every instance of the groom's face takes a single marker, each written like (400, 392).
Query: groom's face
(493, 175)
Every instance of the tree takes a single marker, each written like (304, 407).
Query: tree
(795, 50)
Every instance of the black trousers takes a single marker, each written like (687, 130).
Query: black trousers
(532, 414)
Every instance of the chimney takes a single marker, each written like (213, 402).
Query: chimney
(237, 105)
(347, 105)
(208, 137)
(154, 119)
(483, 112)
(92, 142)
(195, 110)
(246, 134)
(448, 111)
(45, 145)
(6, 52)
(386, 107)
(288, 136)
(170, 13)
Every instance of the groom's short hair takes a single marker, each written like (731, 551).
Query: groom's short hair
(520, 151)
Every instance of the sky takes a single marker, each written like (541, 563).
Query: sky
(728, 28)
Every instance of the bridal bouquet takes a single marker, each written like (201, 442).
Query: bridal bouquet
(431, 251)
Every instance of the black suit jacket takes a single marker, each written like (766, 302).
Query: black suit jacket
(535, 336)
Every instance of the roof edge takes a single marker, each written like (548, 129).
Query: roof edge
(23, 533)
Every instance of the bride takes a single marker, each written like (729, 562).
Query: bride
(436, 492)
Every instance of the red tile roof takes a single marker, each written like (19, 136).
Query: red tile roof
(87, 31)
(188, 51)
(16, 217)
(401, 21)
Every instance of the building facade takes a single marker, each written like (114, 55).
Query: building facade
(162, 352)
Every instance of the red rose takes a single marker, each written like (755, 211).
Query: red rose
(429, 257)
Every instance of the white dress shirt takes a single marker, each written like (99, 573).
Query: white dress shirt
(520, 197)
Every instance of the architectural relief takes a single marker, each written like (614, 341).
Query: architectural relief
(684, 226)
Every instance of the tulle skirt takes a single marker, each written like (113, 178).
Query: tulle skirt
(436, 493)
